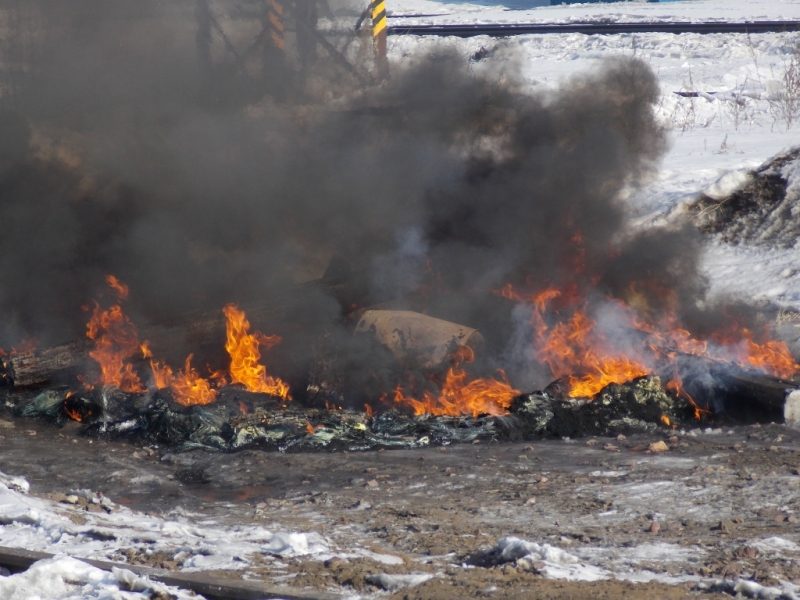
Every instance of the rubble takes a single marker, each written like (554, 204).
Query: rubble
(241, 419)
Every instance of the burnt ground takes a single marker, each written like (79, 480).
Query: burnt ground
(716, 497)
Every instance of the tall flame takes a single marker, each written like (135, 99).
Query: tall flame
(243, 350)
(460, 396)
(116, 341)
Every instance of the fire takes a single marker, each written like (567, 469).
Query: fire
(187, 387)
(460, 396)
(243, 350)
(116, 341)
(569, 342)
(576, 351)
(772, 357)
(119, 287)
(26, 346)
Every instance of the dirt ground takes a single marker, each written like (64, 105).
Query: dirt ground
(710, 507)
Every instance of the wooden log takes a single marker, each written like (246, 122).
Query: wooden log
(196, 332)
(213, 588)
(50, 364)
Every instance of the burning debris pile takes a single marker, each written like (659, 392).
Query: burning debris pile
(598, 391)
(473, 232)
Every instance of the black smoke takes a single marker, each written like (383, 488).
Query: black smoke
(125, 155)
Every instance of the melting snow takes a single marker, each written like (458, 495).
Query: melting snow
(64, 578)
(42, 525)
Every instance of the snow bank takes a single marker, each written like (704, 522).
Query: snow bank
(64, 578)
(556, 563)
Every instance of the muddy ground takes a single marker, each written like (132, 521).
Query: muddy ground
(710, 507)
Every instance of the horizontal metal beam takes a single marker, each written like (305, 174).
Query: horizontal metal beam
(508, 29)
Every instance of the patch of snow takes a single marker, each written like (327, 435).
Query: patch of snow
(386, 559)
(558, 564)
(65, 578)
(42, 525)
(295, 544)
(728, 184)
(18, 484)
(776, 545)
(391, 583)
(608, 473)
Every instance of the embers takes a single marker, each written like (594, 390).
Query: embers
(6, 373)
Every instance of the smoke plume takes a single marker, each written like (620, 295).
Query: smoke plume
(120, 154)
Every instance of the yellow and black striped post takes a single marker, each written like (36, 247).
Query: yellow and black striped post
(275, 24)
(379, 36)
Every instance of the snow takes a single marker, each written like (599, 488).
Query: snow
(64, 578)
(45, 526)
(715, 139)
(391, 583)
(688, 10)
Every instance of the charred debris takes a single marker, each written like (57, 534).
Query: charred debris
(473, 229)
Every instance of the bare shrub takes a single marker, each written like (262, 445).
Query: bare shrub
(785, 104)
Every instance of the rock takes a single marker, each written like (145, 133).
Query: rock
(334, 562)
(72, 499)
(592, 443)
(654, 527)
(610, 448)
(530, 501)
(372, 483)
(59, 497)
(791, 409)
(726, 527)
(657, 447)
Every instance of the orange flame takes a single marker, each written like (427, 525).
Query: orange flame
(115, 342)
(575, 350)
(771, 356)
(243, 350)
(119, 287)
(26, 346)
(459, 396)
(188, 388)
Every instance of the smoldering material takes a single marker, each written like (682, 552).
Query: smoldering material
(198, 192)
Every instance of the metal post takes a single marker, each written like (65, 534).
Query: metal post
(379, 36)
